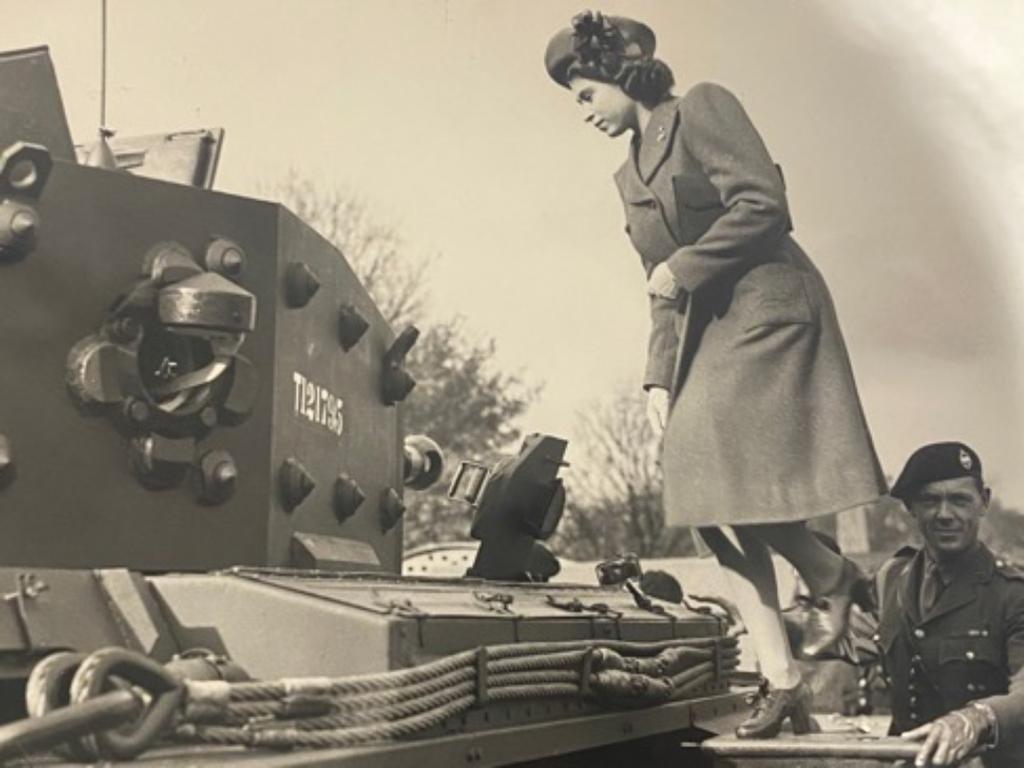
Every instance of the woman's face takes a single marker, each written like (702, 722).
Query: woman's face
(605, 105)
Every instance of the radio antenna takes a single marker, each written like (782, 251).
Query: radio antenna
(103, 64)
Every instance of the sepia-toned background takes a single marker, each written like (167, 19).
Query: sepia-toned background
(897, 125)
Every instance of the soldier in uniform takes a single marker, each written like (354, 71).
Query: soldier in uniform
(951, 620)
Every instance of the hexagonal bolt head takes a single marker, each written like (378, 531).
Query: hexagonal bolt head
(169, 262)
(225, 257)
(216, 477)
(160, 462)
(24, 223)
(124, 329)
(24, 169)
(137, 411)
(208, 417)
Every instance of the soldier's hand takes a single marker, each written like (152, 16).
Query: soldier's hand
(662, 282)
(948, 739)
(657, 409)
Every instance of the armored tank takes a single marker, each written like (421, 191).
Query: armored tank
(202, 479)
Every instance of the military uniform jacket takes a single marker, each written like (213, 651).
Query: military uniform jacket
(968, 646)
(766, 424)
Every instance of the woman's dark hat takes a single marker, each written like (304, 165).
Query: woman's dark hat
(597, 43)
(938, 461)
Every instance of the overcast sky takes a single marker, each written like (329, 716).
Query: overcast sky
(898, 125)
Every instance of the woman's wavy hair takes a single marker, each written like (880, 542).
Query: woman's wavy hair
(602, 53)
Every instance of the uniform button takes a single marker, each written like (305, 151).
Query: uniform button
(913, 700)
(913, 671)
(876, 637)
(918, 633)
(980, 686)
(910, 687)
(915, 658)
(969, 654)
(970, 687)
(913, 716)
(984, 633)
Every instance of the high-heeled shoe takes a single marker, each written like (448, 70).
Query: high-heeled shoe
(772, 706)
(829, 617)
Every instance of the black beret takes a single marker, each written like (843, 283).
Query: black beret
(938, 461)
(634, 38)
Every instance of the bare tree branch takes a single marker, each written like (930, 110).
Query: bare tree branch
(614, 489)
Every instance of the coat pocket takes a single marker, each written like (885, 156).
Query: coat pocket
(970, 649)
(772, 294)
(970, 667)
(698, 205)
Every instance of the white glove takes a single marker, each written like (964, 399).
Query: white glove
(662, 283)
(657, 409)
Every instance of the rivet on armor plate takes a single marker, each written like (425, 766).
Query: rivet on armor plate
(351, 326)
(6, 461)
(396, 383)
(296, 483)
(391, 509)
(301, 283)
(347, 497)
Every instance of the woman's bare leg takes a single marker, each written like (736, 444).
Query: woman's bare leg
(819, 567)
(751, 576)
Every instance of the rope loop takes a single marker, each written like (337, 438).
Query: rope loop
(161, 692)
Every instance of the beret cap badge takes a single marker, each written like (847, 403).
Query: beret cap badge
(965, 460)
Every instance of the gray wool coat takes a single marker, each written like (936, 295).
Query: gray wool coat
(766, 424)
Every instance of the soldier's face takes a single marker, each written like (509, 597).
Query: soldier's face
(605, 106)
(949, 514)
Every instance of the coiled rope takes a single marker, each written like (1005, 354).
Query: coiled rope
(325, 712)
(71, 711)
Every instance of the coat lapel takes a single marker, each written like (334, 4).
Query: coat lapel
(909, 585)
(657, 139)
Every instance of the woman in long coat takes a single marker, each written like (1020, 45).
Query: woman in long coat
(747, 371)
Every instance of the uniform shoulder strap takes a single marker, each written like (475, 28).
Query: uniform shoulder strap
(1009, 570)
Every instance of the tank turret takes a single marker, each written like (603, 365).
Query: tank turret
(191, 380)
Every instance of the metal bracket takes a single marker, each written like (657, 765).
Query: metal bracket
(497, 602)
(28, 587)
